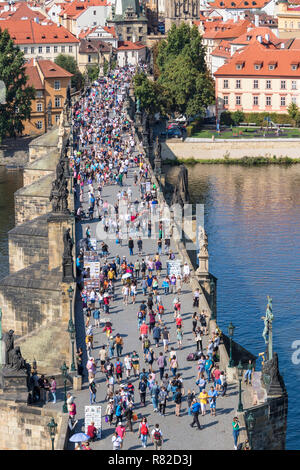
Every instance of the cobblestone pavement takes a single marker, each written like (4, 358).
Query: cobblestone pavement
(216, 431)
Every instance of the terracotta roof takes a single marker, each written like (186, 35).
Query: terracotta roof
(30, 32)
(33, 76)
(109, 29)
(252, 36)
(22, 11)
(283, 58)
(227, 30)
(222, 50)
(52, 70)
(128, 45)
(93, 45)
(239, 4)
(77, 7)
(293, 44)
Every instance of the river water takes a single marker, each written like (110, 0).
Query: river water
(252, 219)
(10, 181)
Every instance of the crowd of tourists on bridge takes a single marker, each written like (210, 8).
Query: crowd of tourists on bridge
(104, 155)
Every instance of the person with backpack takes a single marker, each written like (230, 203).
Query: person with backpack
(156, 334)
(162, 400)
(157, 438)
(178, 401)
(119, 345)
(144, 432)
(135, 360)
(161, 362)
(93, 391)
(143, 390)
(146, 346)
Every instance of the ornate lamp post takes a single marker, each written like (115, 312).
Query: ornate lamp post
(231, 329)
(52, 429)
(64, 370)
(250, 424)
(70, 292)
(240, 375)
(34, 366)
(72, 333)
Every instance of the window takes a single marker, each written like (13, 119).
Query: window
(40, 49)
(56, 118)
(39, 124)
(282, 84)
(63, 48)
(226, 100)
(140, 38)
(294, 99)
(55, 48)
(298, 25)
(282, 101)
(255, 100)
(47, 49)
(255, 84)
(294, 85)
(268, 100)
(94, 12)
(294, 66)
(39, 94)
(238, 100)
(292, 25)
(268, 84)
(89, 58)
(32, 50)
(56, 84)
(25, 50)
(225, 84)
(39, 107)
(70, 48)
(257, 66)
(238, 84)
(57, 102)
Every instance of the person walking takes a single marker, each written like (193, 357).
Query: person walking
(162, 400)
(178, 401)
(195, 408)
(116, 441)
(161, 362)
(135, 360)
(144, 432)
(235, 431)
(154, 396)
(53, 388)
(157, 437)
(93, 392)
(143, 390)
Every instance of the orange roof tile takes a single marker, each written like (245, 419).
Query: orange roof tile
(77, 7)
(51, 70)
(30, 32)
(227, 30)
(252, 36)
(239, 4)
(33, 76)
(129, 45)
(284, 58)
(222, 50)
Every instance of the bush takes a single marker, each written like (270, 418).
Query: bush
(194, 126)
(237, 117)
(228, 118)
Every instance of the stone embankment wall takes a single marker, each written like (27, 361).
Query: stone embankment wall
(204, 149)
(24, 427)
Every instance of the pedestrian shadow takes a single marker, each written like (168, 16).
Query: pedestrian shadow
(225, 411)
(107, 432)
(207, 425)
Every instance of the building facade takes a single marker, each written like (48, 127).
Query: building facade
(259, 80)
(178, 11)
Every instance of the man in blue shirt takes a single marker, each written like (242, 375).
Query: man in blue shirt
(195, 408)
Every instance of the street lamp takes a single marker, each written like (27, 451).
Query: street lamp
(64, 370)
(240, 375)
(70, 292)
(34, 366)
(52, 428)
(231, 329)
(72, 332)
(250, 424)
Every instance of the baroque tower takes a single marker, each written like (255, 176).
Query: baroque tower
(181, 10)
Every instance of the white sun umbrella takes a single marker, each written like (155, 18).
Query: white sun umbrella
(126, 276)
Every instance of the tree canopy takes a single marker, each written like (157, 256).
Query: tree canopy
(18, 95)
(68, 63)
(183, 83)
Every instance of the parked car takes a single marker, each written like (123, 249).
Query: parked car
(174, 132)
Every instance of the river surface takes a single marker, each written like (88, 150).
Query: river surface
(10, 181)
(252, 219)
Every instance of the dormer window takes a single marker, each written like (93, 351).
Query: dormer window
(257, 66)
(239, 66)
(294, 66)
(249, 38)
(272, 65)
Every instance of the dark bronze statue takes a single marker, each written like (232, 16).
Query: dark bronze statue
(9, 346)
(13, 356)
(68, 244)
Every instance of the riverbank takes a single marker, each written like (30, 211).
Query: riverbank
(220, 151)
(246, 161)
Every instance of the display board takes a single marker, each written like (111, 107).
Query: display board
(93, 414)
(174, 267)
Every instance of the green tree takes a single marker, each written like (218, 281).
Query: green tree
(93, 72)
(68, 63)
(182, 71)
(237, 117)
(18, 96)
(293, 111)
(151, 94)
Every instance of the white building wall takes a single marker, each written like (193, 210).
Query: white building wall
(92, 17)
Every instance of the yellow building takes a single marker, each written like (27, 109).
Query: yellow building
(288, 20)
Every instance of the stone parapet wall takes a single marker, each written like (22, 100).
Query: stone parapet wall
(24, 427)
(30, 176)
(30, 207)
(201, 149)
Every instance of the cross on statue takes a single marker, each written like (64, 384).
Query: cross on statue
(267, 333)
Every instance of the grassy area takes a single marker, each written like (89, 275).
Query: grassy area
(246, 133)
(246, 161)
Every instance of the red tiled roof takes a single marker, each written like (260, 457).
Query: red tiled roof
(128, 45)
(239, 4)
(30, 32)
(33, 76)
(222, 50)
(284, 58)
(77, 7)
(227, 30)
(252, 36)
(109, 29)
(51, 70)
(22, 11)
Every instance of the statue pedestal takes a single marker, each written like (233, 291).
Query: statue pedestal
(14, 384)
(68, 275)
(57, 224)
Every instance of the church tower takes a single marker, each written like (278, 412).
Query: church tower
(181, 10)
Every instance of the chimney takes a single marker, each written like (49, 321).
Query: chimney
(267, 38)
(282, 45)
(256, 21)
(259, 38)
